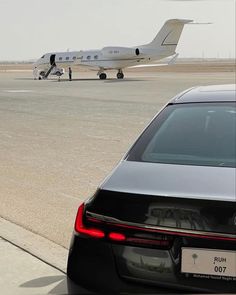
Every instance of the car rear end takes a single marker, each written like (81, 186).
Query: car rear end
(127, 242)
(165, 220)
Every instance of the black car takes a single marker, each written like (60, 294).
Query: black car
(166, 216)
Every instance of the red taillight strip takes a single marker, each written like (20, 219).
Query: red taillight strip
(80, 228)
(169, 231)
(118, 237)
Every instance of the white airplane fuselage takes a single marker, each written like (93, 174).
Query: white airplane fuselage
(115, 57)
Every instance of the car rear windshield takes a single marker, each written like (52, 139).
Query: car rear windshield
(202, 134)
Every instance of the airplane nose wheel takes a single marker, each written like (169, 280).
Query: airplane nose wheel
(103, 76)
(120, 75)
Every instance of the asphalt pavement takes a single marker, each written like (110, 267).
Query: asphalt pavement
(57, 142)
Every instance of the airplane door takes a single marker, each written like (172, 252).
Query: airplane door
(52, 60)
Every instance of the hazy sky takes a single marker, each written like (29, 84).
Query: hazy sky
(29, 28)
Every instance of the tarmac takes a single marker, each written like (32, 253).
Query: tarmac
(22, 273)
(31, 264)
(58, 140)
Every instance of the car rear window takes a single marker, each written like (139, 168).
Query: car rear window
(202, 134)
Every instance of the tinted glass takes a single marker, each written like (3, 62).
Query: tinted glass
(190, 134)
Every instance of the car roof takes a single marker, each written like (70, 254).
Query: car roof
(212, 93)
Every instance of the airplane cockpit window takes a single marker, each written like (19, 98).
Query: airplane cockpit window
(95, 56)
(43, 56)
(67, 58)
(88, 57)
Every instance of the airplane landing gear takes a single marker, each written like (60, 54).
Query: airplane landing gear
(102, 76)
(42, 75)
(120, 75)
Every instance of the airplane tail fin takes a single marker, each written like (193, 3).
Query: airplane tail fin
(168, 36)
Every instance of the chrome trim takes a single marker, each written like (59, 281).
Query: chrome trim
(114, 221)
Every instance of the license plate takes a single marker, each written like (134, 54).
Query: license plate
(209, 262)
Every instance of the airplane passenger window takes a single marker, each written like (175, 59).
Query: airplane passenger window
(74, 57)
(88, 57)
(60, 58)
(95, 56)
(67, 58)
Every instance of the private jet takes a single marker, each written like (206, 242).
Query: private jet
(113, 57)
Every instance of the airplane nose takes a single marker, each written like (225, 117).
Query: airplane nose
(36, 63)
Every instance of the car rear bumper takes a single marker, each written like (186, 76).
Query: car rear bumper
(91, 264)
(104, 267)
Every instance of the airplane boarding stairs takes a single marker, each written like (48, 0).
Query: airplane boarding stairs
(49, 71)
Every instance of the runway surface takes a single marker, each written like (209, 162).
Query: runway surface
(58, 140)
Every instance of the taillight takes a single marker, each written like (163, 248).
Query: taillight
(114, 235)
(117, 237)
(80, 228)
(131, 235)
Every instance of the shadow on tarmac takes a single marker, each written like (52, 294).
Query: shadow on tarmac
(27, 79)
(98, 80)
(65, 286)
(110, 80)
(122, 81)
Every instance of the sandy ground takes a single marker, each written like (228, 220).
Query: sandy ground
(58, 140)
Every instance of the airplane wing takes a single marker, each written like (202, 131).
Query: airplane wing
(147, 66)
(170, 62)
